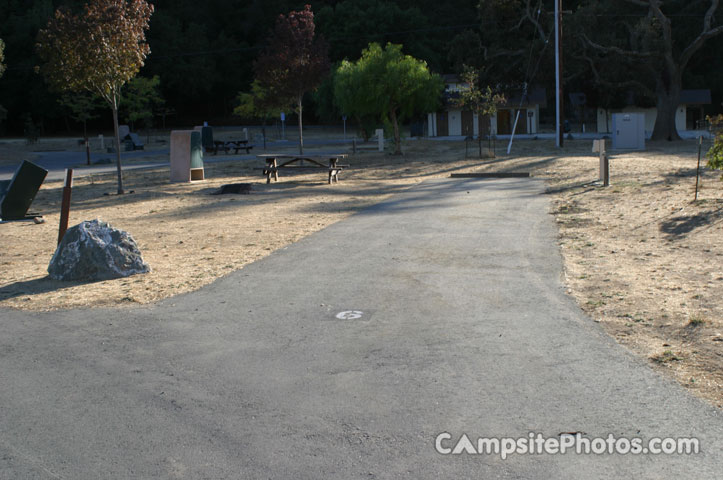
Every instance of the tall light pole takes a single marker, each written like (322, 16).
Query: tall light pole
(558, 74)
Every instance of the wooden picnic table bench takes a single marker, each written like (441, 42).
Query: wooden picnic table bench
(276, 161)
(236, 145)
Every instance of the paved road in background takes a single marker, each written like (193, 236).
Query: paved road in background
(57, 162)
(453, 319)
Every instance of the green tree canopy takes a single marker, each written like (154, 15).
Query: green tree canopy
(3, 111)
(2, 57)
(97, 51)
(140, 98)
(82, 106)
(256, 104)
(715, 154)
(387, 84)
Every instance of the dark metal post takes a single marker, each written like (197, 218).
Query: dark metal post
(559, 86)
(697, 172)
(65, 208)
(604, 164)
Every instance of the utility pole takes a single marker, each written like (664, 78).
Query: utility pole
(558, 74)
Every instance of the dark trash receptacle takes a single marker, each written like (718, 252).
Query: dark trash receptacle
(196, 150)
(207, 138)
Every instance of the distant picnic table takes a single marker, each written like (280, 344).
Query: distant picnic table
(277, 161)
(236, 145)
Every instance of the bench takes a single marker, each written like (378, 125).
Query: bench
(236, 145)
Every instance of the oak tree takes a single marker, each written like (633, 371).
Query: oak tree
(656, 40)
(98, 51)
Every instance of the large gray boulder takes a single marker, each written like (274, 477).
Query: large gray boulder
(93, 250)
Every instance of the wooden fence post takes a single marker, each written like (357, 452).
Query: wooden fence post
(697, 171)
(65, 208)
(604, 164)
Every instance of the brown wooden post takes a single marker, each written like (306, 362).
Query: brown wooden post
(604, 164)
(65, 208)
(697, 171)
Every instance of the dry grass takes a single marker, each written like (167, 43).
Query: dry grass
(640, 257)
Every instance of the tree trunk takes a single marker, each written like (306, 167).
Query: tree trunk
(397, 139)
(362, 130)
(117, 149)
(668, 87)
(301, 132)
(87, 142)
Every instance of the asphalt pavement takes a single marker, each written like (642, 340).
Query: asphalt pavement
(346, 355)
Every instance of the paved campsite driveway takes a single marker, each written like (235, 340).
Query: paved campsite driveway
(464, 328)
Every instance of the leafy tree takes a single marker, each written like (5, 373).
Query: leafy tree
(327, 108)
(3, 110)
(2, 57)
(654, 40)
(140, 99)
(295, 62)
(480, 101)
(97, 51)
(83, 106)
(387, 84)
(324, 102)
(23, 92)
(715, 154)
(257, 103)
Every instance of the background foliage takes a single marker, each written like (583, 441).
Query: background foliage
(203, 52)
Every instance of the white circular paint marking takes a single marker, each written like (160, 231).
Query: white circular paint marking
(349, 315)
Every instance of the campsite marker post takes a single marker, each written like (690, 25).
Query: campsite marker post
(65, 208)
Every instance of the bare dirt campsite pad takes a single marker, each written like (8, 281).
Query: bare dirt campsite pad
(640, 257)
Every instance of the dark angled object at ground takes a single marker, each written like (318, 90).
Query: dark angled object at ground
(236, 188)
(19, 193)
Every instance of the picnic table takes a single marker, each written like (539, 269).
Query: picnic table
(236, 145)
(277, 161)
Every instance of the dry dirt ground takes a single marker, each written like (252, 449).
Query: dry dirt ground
(640, 256)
